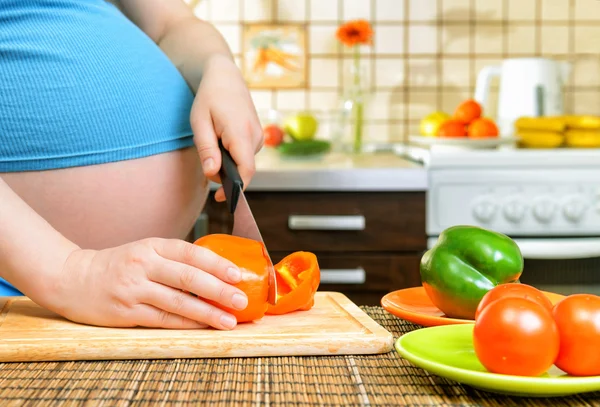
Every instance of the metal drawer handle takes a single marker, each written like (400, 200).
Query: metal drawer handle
(320, 222)
(343, 276)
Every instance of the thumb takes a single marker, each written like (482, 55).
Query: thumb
(206, 142)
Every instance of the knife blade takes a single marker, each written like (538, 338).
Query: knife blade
(244, 224)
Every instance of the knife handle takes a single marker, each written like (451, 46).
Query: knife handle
(230, 178)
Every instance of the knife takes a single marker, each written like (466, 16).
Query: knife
(244, 224)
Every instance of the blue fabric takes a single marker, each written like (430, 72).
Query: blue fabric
(80, 84)
(7, 290)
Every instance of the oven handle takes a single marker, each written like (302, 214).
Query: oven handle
(554, 249)
(569, 248)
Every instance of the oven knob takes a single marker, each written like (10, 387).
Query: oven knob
(574, 208)
(514, 210)
(543, 209)
(484, 209)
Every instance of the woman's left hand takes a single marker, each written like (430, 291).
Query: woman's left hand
(223, 109)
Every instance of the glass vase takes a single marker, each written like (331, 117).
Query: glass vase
(352, 109)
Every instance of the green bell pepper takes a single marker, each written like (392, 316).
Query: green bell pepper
(465, 263)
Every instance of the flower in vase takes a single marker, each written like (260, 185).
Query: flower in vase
(352, 34)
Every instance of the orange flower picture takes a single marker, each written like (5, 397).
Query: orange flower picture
(274, 56)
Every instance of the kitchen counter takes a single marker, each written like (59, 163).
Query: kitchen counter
(369, 380)
(333, 172)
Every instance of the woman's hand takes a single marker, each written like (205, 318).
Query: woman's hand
(223, 109)
(147, 283)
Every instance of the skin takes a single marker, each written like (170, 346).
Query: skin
(103, 249)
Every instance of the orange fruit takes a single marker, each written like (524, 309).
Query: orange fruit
(483, 128)
(468, 111)
(452, 128)
(249, 255)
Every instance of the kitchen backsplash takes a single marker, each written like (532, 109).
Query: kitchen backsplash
(426, 53)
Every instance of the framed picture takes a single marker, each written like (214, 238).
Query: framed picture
(274, 56)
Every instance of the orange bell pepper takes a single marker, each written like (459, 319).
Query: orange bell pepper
(249, 255)
(298, 278)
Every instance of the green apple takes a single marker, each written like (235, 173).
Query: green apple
(302, 126)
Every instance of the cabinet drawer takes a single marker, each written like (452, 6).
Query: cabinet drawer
(362, 273)
(338, 222)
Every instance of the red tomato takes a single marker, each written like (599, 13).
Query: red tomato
(514, 290)
(516, 336)
(578, 321)
(468, 111)
(273, 135)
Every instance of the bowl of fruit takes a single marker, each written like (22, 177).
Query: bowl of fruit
(466, 127)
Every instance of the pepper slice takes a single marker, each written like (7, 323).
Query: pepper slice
(249, 256)
(298, 277)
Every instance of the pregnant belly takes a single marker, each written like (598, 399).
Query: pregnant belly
(98, 207)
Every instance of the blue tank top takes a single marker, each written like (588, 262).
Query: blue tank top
(80, 84)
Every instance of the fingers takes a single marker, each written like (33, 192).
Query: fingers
(206, 141)
(220, 195)
(193, 255)
(152, 317)
(196, 281)
(175, 307)
(242, 151)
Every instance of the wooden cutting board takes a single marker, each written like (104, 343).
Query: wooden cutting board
(334, 326)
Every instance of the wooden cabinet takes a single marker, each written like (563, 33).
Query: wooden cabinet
(368, 244)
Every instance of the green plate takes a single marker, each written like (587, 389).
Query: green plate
(447, 351)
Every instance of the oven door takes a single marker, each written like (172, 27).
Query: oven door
(560, 265)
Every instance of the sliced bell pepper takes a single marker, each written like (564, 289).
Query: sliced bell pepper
(298, 277)
(465, 263)
(249, 256)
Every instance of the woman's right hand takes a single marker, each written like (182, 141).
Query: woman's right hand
(147, 283)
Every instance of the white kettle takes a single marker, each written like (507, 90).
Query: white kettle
(528, 87)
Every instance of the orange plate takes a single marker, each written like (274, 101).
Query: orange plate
(413, 305)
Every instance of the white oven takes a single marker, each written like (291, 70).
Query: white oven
(547, 201)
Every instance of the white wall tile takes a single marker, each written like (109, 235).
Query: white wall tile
(422, 10)
(555, 10)
(324, 72)
(291, 10)
(389, 10)
(389, 72)
(490, 9)
(587, 9)
(521, 10)
(258, 10)
(378, 105)
(225, 10)
(356, 9)
(201, 10)
(377, 133)
(423, 39)
(456, 10)
(324, 10)
(389, 39)
(324, 100)
(291, 100)
(322, 39)
(262, 99)
(232, 34)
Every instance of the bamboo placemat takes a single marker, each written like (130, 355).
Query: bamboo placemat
(377, 380)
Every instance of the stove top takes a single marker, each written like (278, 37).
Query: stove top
(444, 157)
